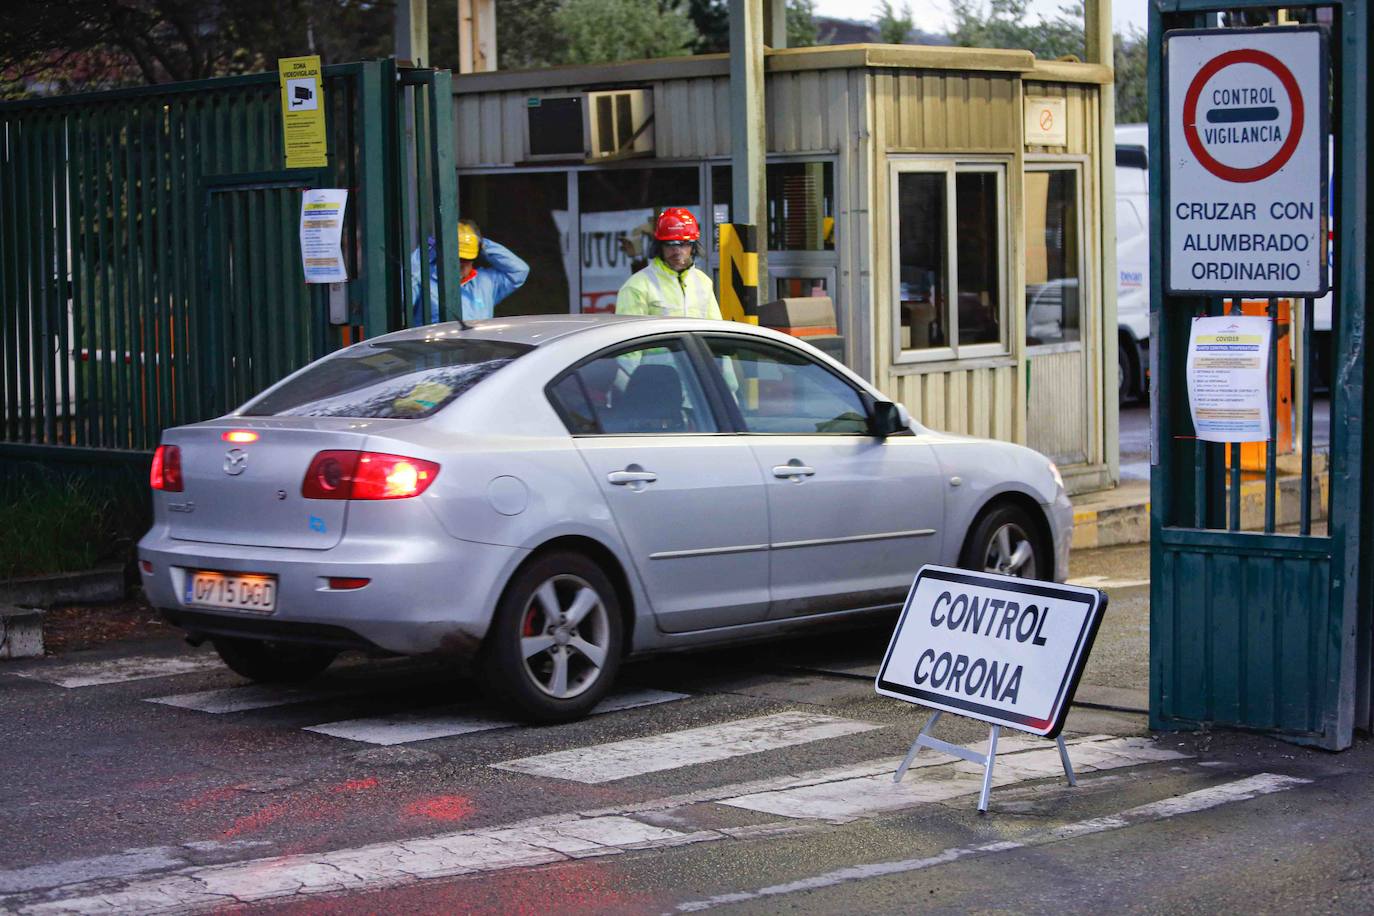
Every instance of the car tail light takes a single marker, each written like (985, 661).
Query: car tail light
(146, 566)
(239, 436)
(366, 475)
(166, 472)
(346, 583)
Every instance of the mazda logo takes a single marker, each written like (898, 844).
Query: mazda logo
(235, 462)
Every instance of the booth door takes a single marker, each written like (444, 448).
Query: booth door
(1059, 401)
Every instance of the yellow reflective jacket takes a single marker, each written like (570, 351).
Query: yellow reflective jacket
(661, 291)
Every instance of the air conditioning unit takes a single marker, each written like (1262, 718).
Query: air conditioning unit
(621, 123)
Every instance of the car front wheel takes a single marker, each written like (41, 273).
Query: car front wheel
(555, 643)
(273, 662)
(1004, 542)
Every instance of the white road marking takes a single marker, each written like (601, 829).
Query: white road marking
(1106, 582)
(119, 670)
(672, 750)
(864, 796)
(379, 865)
(448, 722)
(255, 696)
(1201, 800)
(117, 865)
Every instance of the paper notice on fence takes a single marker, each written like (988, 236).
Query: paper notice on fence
(1228, 373)
(322, 214)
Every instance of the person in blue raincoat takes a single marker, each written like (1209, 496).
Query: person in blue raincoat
(501, 274)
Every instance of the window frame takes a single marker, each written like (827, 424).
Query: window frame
(736, 417)
(720, 413)
(1077, 164)
(950, 167)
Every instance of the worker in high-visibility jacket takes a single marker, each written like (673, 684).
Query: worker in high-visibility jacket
(501, 274)
(670, 286)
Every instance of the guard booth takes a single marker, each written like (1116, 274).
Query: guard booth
(947, 203)
(1262, 628)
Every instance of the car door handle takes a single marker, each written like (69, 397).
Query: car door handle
(788, 471)
(622, 478)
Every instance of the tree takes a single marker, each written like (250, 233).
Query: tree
(894, 28)
(601, 31)
(801, 24)
(1008, 24)
(1131, 59)
(526, 36)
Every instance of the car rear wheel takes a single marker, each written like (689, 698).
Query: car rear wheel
(555, 643)
(1005, 542)
(273, 662)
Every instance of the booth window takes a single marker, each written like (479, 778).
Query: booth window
(948, 234)
(532, 230)
(800, 201)
(1054, 257)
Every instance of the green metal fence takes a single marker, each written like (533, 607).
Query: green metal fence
(150, 270)
(1265, 629)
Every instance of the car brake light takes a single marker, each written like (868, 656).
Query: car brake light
(240, 436)
(166, 470)
(347, 583)
(340, 474)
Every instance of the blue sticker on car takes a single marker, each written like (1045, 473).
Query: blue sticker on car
(317, 524)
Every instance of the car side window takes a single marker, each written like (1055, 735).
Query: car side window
(782, 392)
(643, 389)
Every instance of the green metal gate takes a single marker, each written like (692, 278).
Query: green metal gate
(1265, 629)
(150, 271)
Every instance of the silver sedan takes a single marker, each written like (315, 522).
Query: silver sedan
(541, 497)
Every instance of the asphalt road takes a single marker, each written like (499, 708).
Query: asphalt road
(145, 778)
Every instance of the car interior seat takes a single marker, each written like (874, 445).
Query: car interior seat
(652, 402)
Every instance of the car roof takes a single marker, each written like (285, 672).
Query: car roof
(534, 330)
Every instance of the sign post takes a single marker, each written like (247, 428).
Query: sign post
(1246, 152)
(1004, 650)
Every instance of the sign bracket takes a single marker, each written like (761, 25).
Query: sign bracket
(987, 761)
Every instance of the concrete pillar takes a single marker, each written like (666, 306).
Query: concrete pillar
(775, 23)
(476, 36)
(412, 32)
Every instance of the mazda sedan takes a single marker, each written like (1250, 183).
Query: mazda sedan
(538, 498)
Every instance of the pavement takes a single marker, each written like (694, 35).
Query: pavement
(144, 777)
(1121, 515)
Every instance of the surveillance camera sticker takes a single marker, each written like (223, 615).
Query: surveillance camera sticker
(301, 94)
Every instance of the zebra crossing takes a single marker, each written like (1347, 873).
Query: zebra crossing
(778, 802)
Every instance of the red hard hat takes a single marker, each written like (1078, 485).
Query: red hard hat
(677, 224)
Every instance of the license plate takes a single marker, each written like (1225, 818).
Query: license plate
(254, 593)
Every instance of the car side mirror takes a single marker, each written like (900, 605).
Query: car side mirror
(887, 419)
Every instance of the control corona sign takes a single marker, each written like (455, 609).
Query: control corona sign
(1245, 143)
(1004, 650)
(302, 112)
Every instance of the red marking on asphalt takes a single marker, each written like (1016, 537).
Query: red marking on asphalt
(357, 785)
(440, 808)
(308, 808)
(210, 797)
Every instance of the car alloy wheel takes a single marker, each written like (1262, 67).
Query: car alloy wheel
(565, 637)
(1010, 552)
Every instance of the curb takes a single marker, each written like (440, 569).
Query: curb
(1129, 523)
(94, 586)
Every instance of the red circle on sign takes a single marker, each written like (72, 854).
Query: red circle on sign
(1290, 85)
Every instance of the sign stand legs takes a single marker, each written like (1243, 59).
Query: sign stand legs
(924, 739)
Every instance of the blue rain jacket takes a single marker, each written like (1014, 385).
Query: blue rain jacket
(502, 274)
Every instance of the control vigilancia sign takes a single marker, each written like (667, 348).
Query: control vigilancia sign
(1007, 651)
(302, 112)
(1246, 149)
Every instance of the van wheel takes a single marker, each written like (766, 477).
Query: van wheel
(1004, 542)
(273, 662)
(1126, 372)
(555, 642)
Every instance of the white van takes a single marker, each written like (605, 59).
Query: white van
(1132, 260)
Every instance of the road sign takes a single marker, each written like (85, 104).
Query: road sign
(1004, 650)
(1246, 150)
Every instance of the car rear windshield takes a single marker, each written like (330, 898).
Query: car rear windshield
(402, 379)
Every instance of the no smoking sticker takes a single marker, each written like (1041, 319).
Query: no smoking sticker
(1246, 153)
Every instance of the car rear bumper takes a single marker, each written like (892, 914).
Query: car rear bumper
(424, 596)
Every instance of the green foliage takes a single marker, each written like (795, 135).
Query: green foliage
(893, 26)
(602, 31)
(526, 36)
(801, 24)
(1132, 81)
(1009, 24)
(67, 523)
